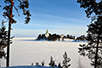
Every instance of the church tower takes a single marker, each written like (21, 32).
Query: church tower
(47, 33)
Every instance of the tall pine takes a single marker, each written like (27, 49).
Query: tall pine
(8, 14)
(94, 37)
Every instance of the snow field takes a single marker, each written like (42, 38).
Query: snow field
(25, 51)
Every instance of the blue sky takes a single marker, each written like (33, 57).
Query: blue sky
(58, 16)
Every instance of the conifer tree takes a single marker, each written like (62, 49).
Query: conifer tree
(94, 37)
(8, 14)
(66, 61)
(59, 65)
(3, 40)
(94, 48)
(42, 63)
(52, 62)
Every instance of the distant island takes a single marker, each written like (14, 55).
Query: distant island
(53, 37)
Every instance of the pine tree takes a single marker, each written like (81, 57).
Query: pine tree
(3, 40)
(94, 48)
(52, 62)
(42, 63)
(59, 65)
(66, 61)
(8, 14)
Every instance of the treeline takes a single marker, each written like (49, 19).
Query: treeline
(54, 37)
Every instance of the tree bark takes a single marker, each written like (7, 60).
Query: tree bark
(9, 31)
(96, 55)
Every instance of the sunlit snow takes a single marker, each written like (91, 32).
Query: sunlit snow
(25, 51)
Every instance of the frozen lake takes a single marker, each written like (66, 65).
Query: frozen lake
(25, 51)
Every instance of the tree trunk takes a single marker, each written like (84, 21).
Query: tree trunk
(9, 30)
(96, 55)
(0, 62)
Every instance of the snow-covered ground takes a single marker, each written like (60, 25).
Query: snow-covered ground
(25, 51)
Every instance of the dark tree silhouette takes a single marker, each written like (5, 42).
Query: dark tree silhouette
(3, 40)
(94, 47)
(66, 61)
(8, 14)
(52, 37)
(42, 63)
(91, 6)
(59, 65)
(94, 37)
(52, 62)
(70, 36)
(81, 38)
